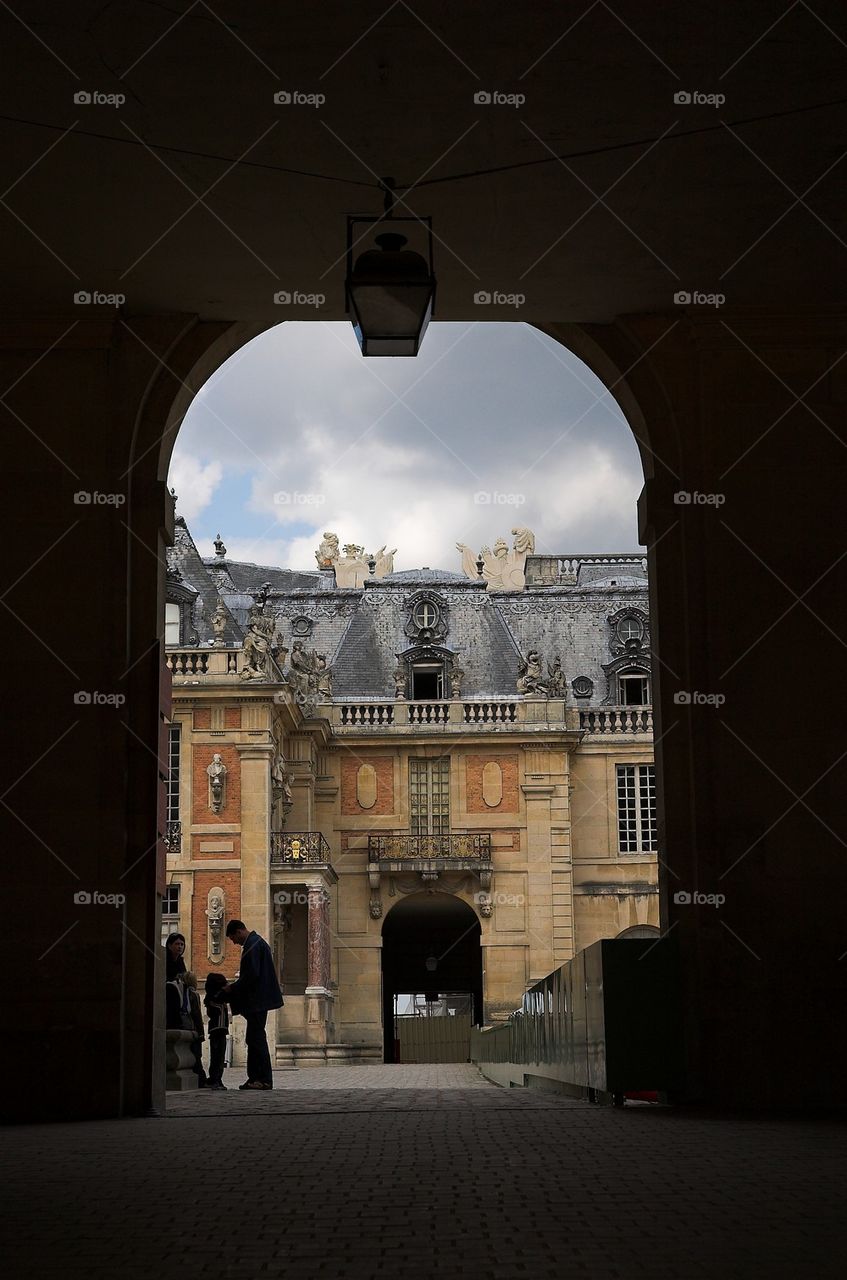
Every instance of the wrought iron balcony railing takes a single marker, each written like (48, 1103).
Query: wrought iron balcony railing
(173, 837)
(451, 846)
(293, 848)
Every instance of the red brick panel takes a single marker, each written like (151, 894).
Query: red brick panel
(202, 717)
(230, 882)
(510, 802)
(384, 768)
(232, 717)
(202, 758)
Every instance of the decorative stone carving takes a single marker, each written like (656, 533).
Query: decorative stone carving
(322, 677)
(366, 786)
(582, 687)
(629, 631)
(427, 620)
(215, 917)
(220, 549)
(281, 786)
(400, 681)
(302, 625)
(457, 675)
(486, 907)
(375, 908)
(492, 784)
(257, 658)
(556, 685)
(300, 672)
(216, 773)
(505, 570)
(219, 621)
(354, 566)
(530, 675)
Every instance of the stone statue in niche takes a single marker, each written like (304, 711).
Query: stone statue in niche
(215, 917)
(505, 570)
(556, 685)
(530, 675)
(457, 675)
(216, 773)
(219, 621)
(281, 787)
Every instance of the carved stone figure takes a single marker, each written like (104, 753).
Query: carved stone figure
(556, 685)
(400, 682)
(256, 660)
(220, 549)
(300, 672)
(327, 552)
(457, 675)
(216, 773)
(281, 786)
(219, 621)
(353, 567)
(505, 570)
(322, 677)
(530, 675)
(215, 917)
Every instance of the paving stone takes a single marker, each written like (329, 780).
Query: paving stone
(423, 1171)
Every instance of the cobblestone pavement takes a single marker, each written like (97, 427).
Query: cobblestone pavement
(423, 1171)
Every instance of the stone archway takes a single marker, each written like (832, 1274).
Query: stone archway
(430, 948)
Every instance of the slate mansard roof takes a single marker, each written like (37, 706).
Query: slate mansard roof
(362, 630)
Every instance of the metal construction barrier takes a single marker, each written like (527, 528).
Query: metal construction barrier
(606, 1022)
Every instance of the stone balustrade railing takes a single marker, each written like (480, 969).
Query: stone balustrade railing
(456, 715)
(562, 571)
(206, 665)
(616, 720)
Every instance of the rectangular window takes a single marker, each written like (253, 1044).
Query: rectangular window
(173, 772)
(427, 682)
(636, 808)
(172, 624)
(634, 691)
(429, 796)
(170, 911)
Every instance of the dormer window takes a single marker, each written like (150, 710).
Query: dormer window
(172, 624)
(634, 689)
(428, 681)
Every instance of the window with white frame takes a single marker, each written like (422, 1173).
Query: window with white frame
(636, 785)
(173, 773)
(429, 796)
(633, 689)
(170, 911)
(172, 635)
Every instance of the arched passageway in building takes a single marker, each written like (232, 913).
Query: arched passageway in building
(431, 971)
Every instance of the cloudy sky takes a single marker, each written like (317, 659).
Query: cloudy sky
(492, 426)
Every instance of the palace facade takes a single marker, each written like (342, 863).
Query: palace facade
(426, 788)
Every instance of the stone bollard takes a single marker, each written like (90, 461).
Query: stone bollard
(179, 1061)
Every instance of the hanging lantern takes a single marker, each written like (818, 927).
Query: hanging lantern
(390, 290)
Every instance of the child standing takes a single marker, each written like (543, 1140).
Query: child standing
(218, 1015)
(195, 1021)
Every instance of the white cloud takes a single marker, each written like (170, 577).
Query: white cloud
(195, 484)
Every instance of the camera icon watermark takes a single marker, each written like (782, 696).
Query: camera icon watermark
(88, 698)
(499, 899)
(497, 98)
(292, 498)
(297, 98)
(698, 298)
(694, 698)
(97, 298)
(96, 98)
(686, 498)
(94, 898)
(298, 298)
(87, 498)
(494, 498)
(696, 98)
(694, 898)
(497, 298)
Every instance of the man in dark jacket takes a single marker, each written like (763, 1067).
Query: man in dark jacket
(252, 994)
